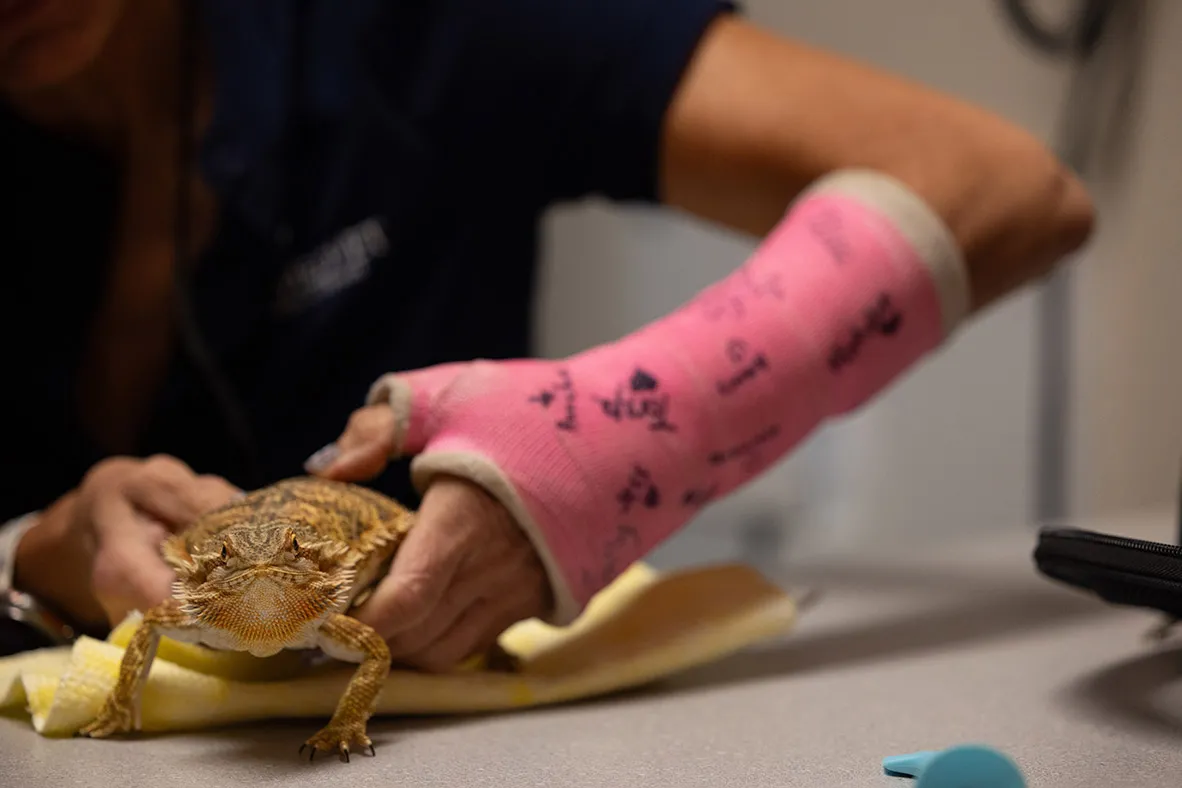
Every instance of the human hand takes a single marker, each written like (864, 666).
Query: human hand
(95, 553)
(466, 571)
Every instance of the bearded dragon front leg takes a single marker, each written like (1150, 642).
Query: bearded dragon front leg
(121, 711)
(346, 638)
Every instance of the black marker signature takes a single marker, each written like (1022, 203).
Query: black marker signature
(881, 318)
(738, 353)
(565, 389)
(640, 488)
(624, 538)
(728, 299)
(747, 451)
(639, 400)
(699, 496)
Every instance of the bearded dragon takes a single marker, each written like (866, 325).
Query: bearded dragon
(278, 569)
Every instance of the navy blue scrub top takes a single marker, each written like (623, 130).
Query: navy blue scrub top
(381, 170)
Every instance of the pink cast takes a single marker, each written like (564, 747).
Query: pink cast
(603, 455)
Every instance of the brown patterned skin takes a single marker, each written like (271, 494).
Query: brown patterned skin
(277, 569)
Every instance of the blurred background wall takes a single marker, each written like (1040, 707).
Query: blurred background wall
(955, 444)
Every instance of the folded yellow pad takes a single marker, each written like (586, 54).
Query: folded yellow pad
(643, 627)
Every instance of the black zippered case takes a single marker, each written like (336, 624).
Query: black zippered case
(1118, 569)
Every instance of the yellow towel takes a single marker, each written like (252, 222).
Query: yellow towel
(643, 627)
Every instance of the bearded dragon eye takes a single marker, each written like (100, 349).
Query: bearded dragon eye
(225, 552)
(295, 546)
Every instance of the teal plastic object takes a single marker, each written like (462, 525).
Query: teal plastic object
(966, 766)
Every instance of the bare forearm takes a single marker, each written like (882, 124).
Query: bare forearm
(759, 117)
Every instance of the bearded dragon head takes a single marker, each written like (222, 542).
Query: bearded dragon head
(261, 587)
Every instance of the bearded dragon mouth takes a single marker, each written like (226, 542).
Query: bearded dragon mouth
(268, 598)
(263, 609)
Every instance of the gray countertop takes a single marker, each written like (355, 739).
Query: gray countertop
(961, 642)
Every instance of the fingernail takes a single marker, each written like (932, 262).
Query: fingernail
(322, 459)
